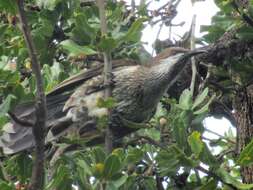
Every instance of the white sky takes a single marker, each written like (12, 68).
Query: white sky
(204, 12)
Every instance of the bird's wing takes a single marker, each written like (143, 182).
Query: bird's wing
(65, 98)
(81, 77)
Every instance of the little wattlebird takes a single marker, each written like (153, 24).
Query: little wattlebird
(73, 105)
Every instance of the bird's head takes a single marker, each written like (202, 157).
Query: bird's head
(179, 55)
(168, 69)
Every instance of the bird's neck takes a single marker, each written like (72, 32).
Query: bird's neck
(165, 73)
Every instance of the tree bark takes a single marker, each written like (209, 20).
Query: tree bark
(37, 179)
(243, 105)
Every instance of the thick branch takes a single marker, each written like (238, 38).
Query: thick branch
(41, 112)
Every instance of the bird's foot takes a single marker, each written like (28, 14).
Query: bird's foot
(133, 125)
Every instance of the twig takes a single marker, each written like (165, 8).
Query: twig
(132, 6)
(225, 152)
(165, 5)
(147, 139)
(157, 36)
(37, 178)
(194, 67)
(245, 17)
(21, 122)
(217, 134)
(107, 74)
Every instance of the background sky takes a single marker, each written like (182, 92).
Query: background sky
(204, 12)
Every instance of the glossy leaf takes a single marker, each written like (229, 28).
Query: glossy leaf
(246, 156)
(134, 32)
(226, 177)
(185, 100)
(210, 185)
(112, 166)
(99, 155)
(6, 105)
(195, 143)
(75, 49)
(245, 33)
(200, 98)
(204, 109)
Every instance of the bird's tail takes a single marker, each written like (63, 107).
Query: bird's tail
(16, 137)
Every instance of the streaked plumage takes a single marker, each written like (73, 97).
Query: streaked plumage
(72, 106)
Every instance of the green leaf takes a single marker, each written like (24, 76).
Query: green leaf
(205, 107)
(180, 132)
(3, 28)
(120, 181)
(9, 6)
(210, 185)
(185, 100)
(112, 166)
(6, 105)
(150, 183)
(195, 143)
(246, 156)
(107, 44)
(226, 177)
(200, 98)
(83, 31)
(183, 158)
(167, 162)
(19, 165)
(99, 155)
(75, 49)
(134, 155)
(6, 186)
(207, 157)
(134, 32)
(60, 179)
(3, 120)
(111, 186)
(245, 33)
(106, 103)
(84, 166)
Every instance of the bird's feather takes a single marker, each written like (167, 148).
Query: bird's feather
(63, 100)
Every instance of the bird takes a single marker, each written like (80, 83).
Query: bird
(73, 109)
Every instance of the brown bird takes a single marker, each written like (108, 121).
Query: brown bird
(73, 105)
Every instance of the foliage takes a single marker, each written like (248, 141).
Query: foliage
(173, 152)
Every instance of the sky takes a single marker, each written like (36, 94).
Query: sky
(204, 12)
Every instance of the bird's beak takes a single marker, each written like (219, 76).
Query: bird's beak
(192, 53)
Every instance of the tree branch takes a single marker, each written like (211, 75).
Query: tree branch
(194, 67)
(219, 135)
(21, 122)
(40, 107)
(107, 73)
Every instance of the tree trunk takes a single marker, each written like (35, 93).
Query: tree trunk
(243, 105)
